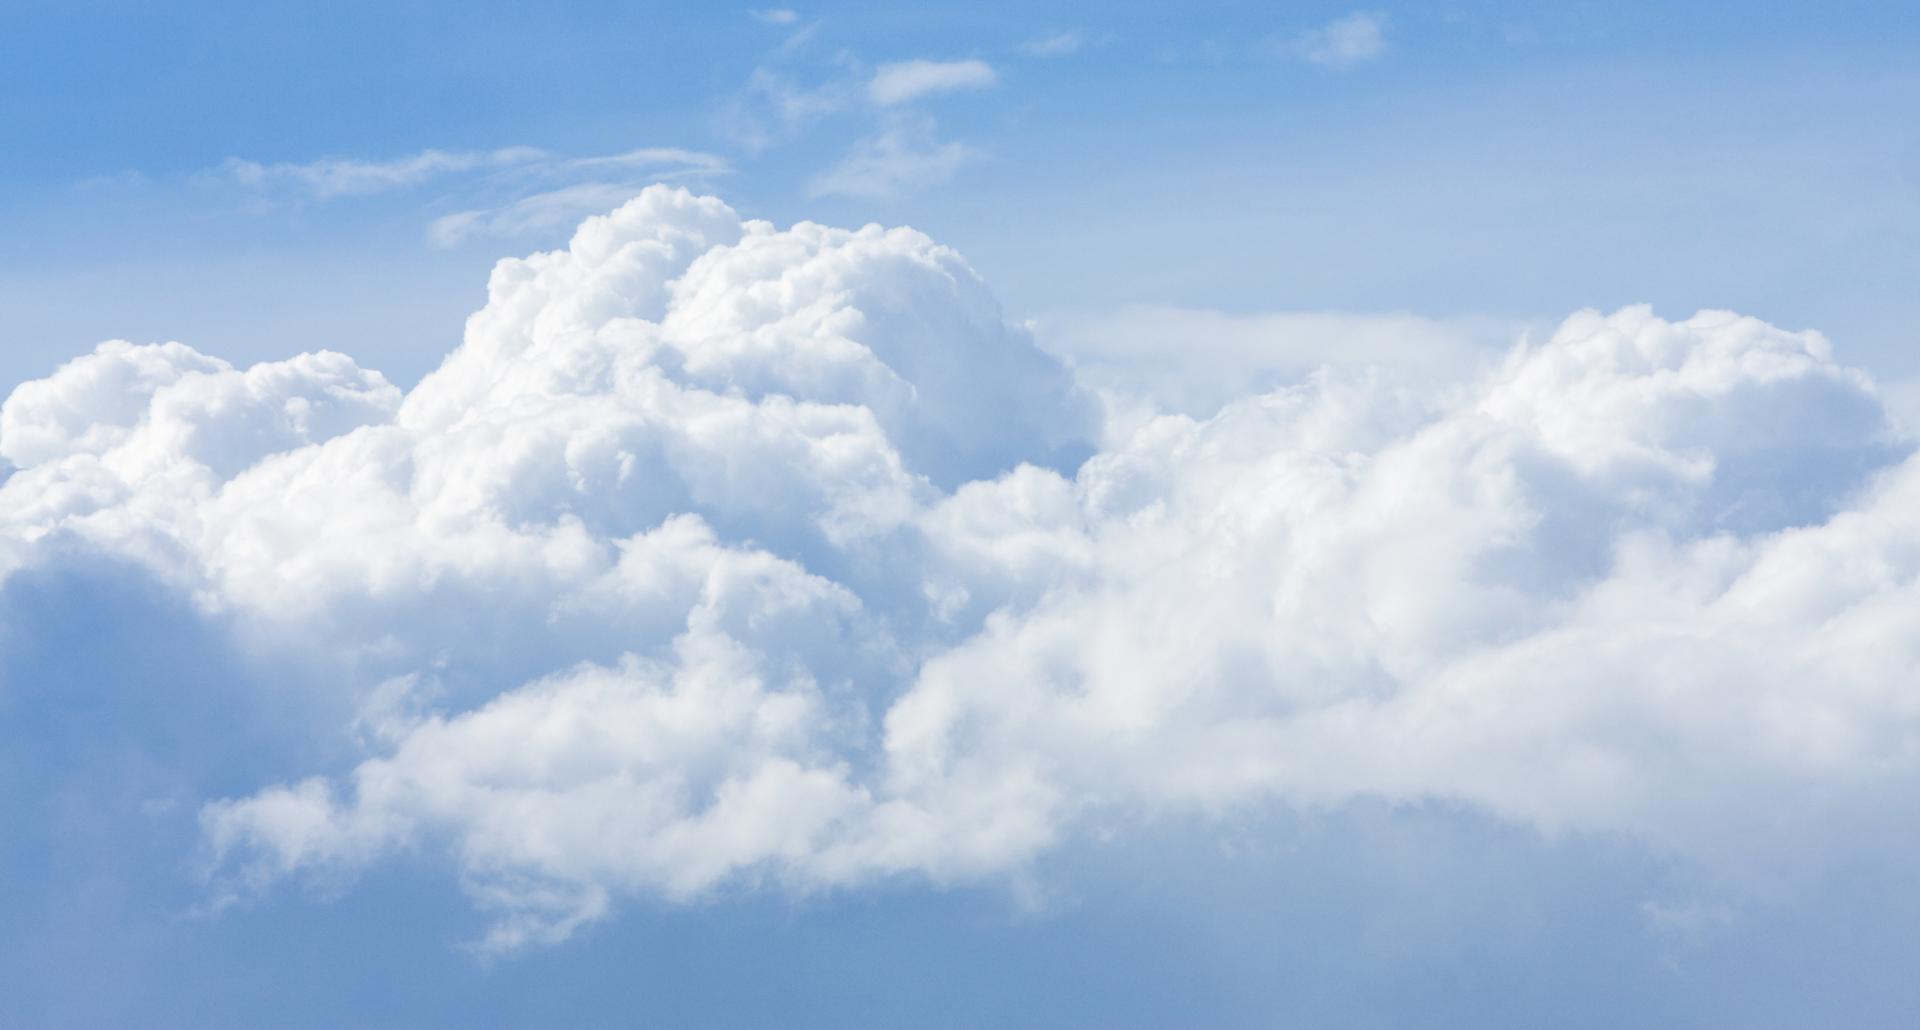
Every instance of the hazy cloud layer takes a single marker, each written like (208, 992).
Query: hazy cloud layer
(1158, 358)
(725, 555)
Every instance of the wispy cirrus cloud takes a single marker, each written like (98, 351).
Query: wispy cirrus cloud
(1343, 42)
(1053, 45)
(612, 179)
(905, 81)
(1062, 45)
(539, 212)
(332, 177)
(905, 155)
(773, 107)
(509, 191)
(787, 95)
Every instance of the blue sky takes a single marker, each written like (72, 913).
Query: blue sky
(1175, 604)
(1489, 159)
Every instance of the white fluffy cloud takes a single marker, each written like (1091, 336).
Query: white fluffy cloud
(722, 555)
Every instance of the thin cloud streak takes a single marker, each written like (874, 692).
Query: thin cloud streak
(906, 81)
(901, 158)
(1342, 43)
(339, 177)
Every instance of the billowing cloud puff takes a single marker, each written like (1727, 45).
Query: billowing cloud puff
(721, 555)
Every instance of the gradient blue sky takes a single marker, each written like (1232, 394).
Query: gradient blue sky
(1514, 160)
(1506, 162)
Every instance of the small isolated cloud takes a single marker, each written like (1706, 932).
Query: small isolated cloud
(1343, 42)
(902, 157)
(906, 81)
(775, 16)
(1058, 44)
(341, 177)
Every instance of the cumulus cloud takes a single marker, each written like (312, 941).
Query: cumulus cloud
(906, 81)
(724, 556)
(1343, 42)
